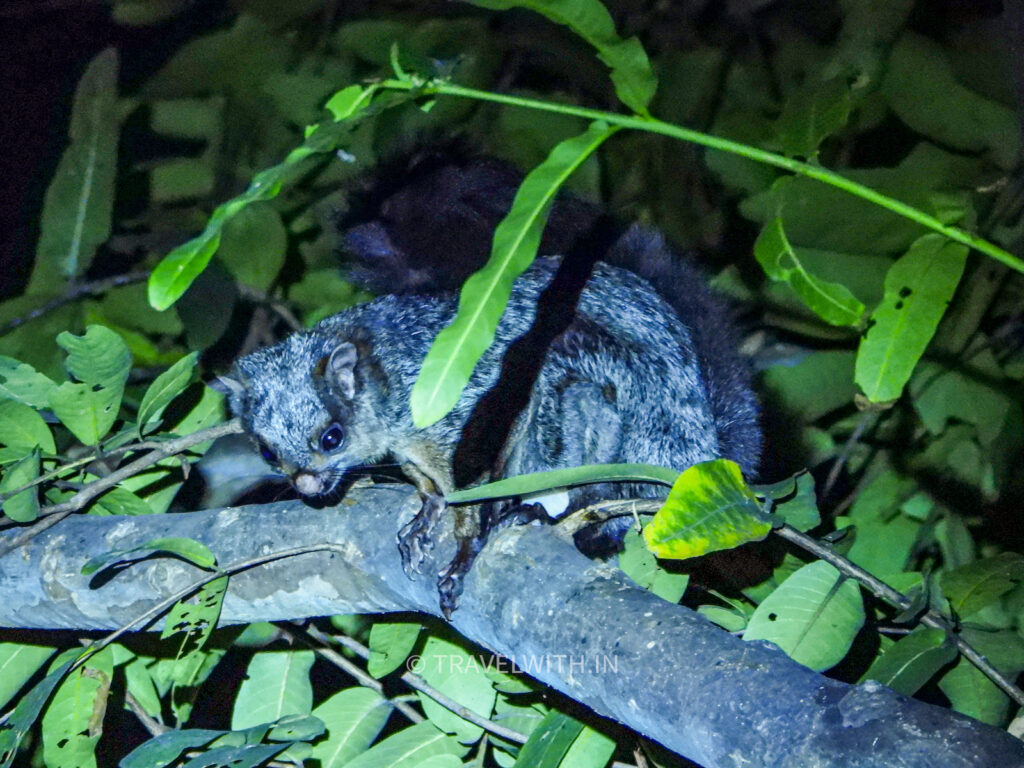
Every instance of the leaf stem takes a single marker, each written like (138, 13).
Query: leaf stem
(653, 125)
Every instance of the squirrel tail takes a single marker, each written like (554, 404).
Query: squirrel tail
(424, 222)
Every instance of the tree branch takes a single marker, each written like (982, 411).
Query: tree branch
(579, 626)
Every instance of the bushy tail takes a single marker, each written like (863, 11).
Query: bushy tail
(424, 223)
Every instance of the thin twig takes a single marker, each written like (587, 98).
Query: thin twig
(866, 419)
(74, 294)
(98, 455)
(53, 514)
(151, 724)
(335, 658)
(417, 683)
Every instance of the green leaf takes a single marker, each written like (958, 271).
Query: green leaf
(22, 427)
(276, 684)
(167, 386)
(24, 716)
(20, 381)
(832, 302)
(817, 385)
(22, 507)
(912, 661)
(253, 245)
(971, 587)
(637, 562)
(459, 675)
(455, 351)
(196, 617)
(73, 722)
(18, 662)
(974, 695)
(175, 273)
(811, 115)
(796, 501)
(191, 550)
(709, 508)
(813, 616)
(167, 747)
(101, 361)
(522, 485)
(79, 201)
(120, 501)
(409, 748)
(920, 87)
(918, 288)
(549, 741)
(391, 642)
(354, 718)
(591, 748)
(631, 71)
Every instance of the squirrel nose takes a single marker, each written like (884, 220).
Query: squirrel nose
(307, 483)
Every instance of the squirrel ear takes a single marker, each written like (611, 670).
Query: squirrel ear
(341, 367)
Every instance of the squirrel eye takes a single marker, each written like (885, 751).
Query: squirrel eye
(331, 438)
(268, 455)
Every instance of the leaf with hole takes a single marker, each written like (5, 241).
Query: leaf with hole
(813, 616)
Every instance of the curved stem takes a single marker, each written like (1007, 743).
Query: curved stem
(653, 125)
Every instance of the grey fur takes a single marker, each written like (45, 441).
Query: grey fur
(621, 384)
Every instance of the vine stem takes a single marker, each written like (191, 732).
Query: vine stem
(653, 125)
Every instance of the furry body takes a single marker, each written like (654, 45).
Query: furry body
(591, 363)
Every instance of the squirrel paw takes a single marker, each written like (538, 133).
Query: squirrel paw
(449, 586)
(415, 537)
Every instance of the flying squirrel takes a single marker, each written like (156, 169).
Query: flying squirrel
(612, 349)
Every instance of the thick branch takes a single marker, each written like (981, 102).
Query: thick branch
(579, 626)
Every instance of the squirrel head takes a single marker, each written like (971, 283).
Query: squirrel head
(304, 402)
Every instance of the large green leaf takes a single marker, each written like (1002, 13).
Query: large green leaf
(409, 748)
(971, 587)
(631, 72)
(457, 674)
(79, 201)
(813, 616)
(921, 88)
(22, 507)
(18, 662)
(72, 724)
(276, 684)
(811, 114)
(22, 427)
(24, 716)
(912, 661)
(457, 348)
(101, 361)
(709, 508)
(918, 288)
(253, 245)
(167, 386)
(354, 718)
(391, 642)
(20, 381)
(549, 742)
(974, 695)
(832, 302)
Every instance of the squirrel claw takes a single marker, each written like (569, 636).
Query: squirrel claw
(415, 537)
(449, 587)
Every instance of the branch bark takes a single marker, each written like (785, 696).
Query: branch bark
(579, 626)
